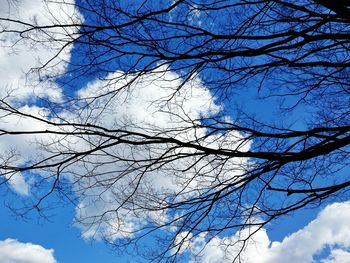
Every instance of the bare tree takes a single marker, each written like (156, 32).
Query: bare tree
(149, 145)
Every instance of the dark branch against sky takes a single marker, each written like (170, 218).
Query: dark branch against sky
(154, 119)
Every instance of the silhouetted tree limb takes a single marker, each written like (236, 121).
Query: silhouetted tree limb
(229, 174)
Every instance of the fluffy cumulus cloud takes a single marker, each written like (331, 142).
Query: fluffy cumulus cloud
(154, 106)
(13, 251)
(21, 55)
(18, 150)
(105, 180)
(330, 229)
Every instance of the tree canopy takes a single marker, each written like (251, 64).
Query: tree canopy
(154, 118)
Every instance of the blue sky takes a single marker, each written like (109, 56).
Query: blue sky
(58, 234)
(320, 228)
(69, 247)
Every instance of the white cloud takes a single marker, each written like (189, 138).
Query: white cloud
(104, 180)
(18, 184)
(13, 251)
(147, 106)
(222, 250)
(330, 229)
(21, 149)
(337, 256)
(20, 54)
